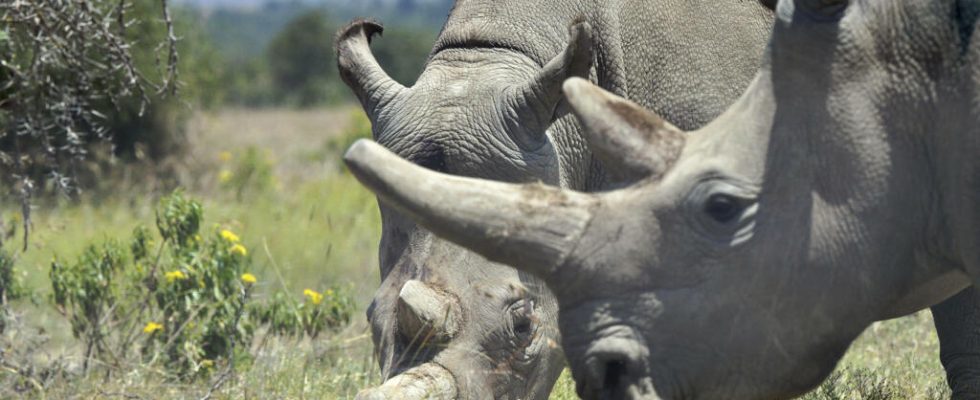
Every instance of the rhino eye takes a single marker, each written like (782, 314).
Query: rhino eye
(722, 208)
(521, 320)
(522, 326)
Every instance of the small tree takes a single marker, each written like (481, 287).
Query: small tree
(77, 77)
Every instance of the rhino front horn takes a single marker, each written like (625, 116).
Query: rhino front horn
(360, 70)
(427, 315)
(428, 381)
(530, 227)
(536, 101)
(631, 142)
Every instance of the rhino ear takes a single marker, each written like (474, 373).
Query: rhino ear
(537, 100)
(631, 142)
(360, 70)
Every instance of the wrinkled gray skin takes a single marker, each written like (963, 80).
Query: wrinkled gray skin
(487, 106)
(739, 261)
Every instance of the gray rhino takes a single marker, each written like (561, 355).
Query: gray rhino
(447, 323)
(740, 260)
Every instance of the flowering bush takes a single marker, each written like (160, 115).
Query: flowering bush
(184, 299)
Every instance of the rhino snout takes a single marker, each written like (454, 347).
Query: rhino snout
(614, 367)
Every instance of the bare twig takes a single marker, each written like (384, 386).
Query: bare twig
(230, 368)
(170, 78)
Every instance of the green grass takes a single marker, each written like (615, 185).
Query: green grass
(314, 225)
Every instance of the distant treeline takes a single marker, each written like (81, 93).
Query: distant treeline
(282, 54)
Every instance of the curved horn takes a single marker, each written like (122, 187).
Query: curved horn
(428, 381)
(425, 314)
(530, 227)
(632, 142)
(360, 70)
(538, 99)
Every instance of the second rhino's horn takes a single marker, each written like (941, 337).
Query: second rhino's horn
(632, 142)
(425, 314)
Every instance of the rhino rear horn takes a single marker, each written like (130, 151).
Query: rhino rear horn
(631, 142)
(425, 314)
(360, 70)
(530, 227)
(537, 100)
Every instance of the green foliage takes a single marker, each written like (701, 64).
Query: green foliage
(63, 63)
(188, 301)
(298, 66)
(87, 80)
(300, 60)
(249, 173)
(11, 287)
(334, 147)
(316, 313)
(158, 132)
(864, 384)
(244, 33)
(178, 220)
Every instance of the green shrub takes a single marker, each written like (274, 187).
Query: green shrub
(300, 60)
(10, 283)
(249, 173)
(182, 299)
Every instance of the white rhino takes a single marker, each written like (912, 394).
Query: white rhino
(446, 322)
(740, 260)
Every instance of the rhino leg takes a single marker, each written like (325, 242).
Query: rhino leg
(958, 325)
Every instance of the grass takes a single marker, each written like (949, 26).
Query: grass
(314, 225)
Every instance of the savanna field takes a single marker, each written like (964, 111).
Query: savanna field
(277, 208)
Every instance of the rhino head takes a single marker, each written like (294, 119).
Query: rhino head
(446, 322)
(740, 260)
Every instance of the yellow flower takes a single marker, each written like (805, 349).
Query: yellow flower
(175, 275)
(314, 297)
(152, 327)
(224, 156)
(207, 363)
(230, 236)
(238, 249)
(328, 292)
(224, 176)
(249, 278)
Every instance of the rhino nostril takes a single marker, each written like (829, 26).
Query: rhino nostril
(615, 371)
(609, 376)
